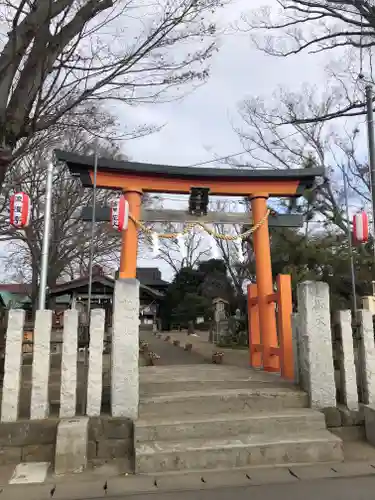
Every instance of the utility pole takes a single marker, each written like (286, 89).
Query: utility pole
(371, 148)
(352, 269)
(45, 245)
(371, 155)
(93, 221)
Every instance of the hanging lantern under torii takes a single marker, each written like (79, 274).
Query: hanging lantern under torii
(20, 210)
(120, 214)
(360, 227)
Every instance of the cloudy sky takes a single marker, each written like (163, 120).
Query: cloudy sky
(200, 127)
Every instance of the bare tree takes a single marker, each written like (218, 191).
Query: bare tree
(343, 27)
(70, 237)
(57, 55)
(195, 248)
(227, 249)
(200, 246)
(297, 145)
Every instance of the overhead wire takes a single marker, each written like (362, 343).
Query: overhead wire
(244, 151)
(184, 198)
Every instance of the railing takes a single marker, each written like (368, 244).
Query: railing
(43, 382)
(44, 374)
(336, 356)
(284, 350)
(353, 352)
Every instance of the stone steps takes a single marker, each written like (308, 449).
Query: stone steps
(157, 388)
(239, 451)
(195, 418)
(210, 426)
(157, 375)
(213, 402)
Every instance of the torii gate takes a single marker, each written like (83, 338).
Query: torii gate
(134, 179)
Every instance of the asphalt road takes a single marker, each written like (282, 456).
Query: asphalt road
(362, 488)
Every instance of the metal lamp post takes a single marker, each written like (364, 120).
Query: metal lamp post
(46, 233)
(352, 269)
(371, 154)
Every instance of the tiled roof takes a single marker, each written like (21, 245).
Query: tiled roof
(148, 276)
(63, 288)
(17, 288)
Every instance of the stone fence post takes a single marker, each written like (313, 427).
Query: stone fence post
(41, 365)
(345, 356)
(296, 350)
(315, 344)
(125, 350)
(366, 371)
(68, 389)
(367, 356)
(95, 372)
(12, 366)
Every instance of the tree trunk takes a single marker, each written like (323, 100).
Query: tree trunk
(3, 327)
(34, 292)
(5, 161)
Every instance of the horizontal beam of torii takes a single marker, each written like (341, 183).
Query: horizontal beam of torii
(103, 214)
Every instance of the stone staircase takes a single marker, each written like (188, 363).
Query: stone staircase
(220, 417)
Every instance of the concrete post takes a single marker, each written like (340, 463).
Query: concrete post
(368, 303)
(95, 375)
(71, 445)
(125, 350)
(367, 356)
(12, 366)
(347, 365)
(41, 364)
(315, 343)
(69, 365)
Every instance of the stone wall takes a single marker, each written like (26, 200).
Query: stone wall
(28, 441)
(35, 441)
(109, 438)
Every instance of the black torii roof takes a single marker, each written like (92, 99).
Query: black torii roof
(80, 165)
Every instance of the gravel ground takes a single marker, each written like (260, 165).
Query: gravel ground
(170, 354)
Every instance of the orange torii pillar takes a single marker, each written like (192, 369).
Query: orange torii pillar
(129, 243)
(263, 266)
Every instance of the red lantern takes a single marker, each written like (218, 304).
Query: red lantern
(20, 210)
(360, 227)
(120, 214)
